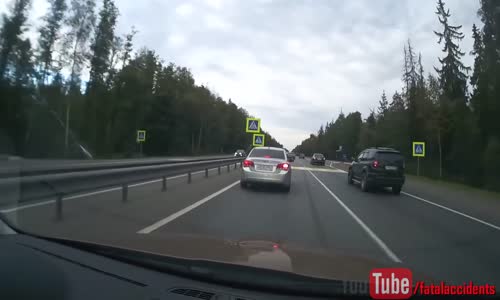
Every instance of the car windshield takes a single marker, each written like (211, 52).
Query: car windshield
(267, 153)
(172, 127)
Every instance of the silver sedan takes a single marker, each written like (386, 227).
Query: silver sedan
(267, 165)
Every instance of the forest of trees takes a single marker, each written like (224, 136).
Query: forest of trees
(48, 109)
(453, 109)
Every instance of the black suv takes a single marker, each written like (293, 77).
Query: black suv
(378, 167)
(318, 159)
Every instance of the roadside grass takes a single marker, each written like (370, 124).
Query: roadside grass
(455, 186)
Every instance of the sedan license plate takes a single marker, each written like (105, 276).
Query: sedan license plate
(391, 168)
(263, 168)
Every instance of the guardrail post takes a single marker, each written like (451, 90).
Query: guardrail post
(59, 207)
(235, 165)
(124, 193)
(218, 170)
(164, 183)
(206, 172)
(189, 177)
(241, 164)
(228, 168)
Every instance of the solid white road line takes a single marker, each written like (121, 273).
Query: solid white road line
(377, 240)
(185, 210)
(453, 211)
(21, 207)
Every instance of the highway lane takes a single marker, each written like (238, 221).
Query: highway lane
(428, 239)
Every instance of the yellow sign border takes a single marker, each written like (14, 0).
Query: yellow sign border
(252, 131)
(138, 134)
(263, 140)
(413, 149)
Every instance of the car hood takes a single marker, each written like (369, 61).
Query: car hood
(281, 256)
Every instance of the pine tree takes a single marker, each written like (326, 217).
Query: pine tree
(103, 43)
(49, 34)
(24, 64)
(383, 106)
(488, 80)
(10, 35)
(452, 73)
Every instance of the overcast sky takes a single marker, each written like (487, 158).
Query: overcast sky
(294, 64)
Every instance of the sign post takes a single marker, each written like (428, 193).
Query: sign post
(258, 140)
(141, 138)
(418, 149)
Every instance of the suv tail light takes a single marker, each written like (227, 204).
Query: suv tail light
(375, 164)
(248, 163)
(283, 166)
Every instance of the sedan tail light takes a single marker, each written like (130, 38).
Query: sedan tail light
(283, 166)
(248, 163)
(375, 164)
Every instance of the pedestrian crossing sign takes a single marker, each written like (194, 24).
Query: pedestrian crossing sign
(419, 149)
(253, 125)
(258, 140)
(141, 136)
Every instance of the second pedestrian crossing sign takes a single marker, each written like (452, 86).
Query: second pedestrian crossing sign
(253, 125)
(258, 140)
(419, 149)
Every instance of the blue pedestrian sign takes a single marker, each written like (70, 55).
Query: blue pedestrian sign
(258, 140)
(419, 149)
(253, 125)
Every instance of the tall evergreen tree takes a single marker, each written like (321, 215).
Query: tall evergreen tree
(10, 35)
(49, 34)
(102, 45)
(488, 79)
(452, 73)
(383, 106)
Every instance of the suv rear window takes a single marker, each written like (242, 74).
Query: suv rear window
(390, 157)
(268, 153)
(318, 155)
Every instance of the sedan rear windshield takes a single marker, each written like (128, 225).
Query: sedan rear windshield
(268, 153)
(390, 157)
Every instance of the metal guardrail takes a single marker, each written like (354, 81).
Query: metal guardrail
(60, 185)
(30, 167)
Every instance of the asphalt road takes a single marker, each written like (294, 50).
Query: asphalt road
(436, 231)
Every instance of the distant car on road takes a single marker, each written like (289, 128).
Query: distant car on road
(318, 159)
(291, 156)
(240, 153)
(302, 155)
(378, 167)
(267, 165)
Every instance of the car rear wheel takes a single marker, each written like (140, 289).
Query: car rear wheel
(364, 183)
(286, 188)
(396, 190)
(243, 184)
(349, 177)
